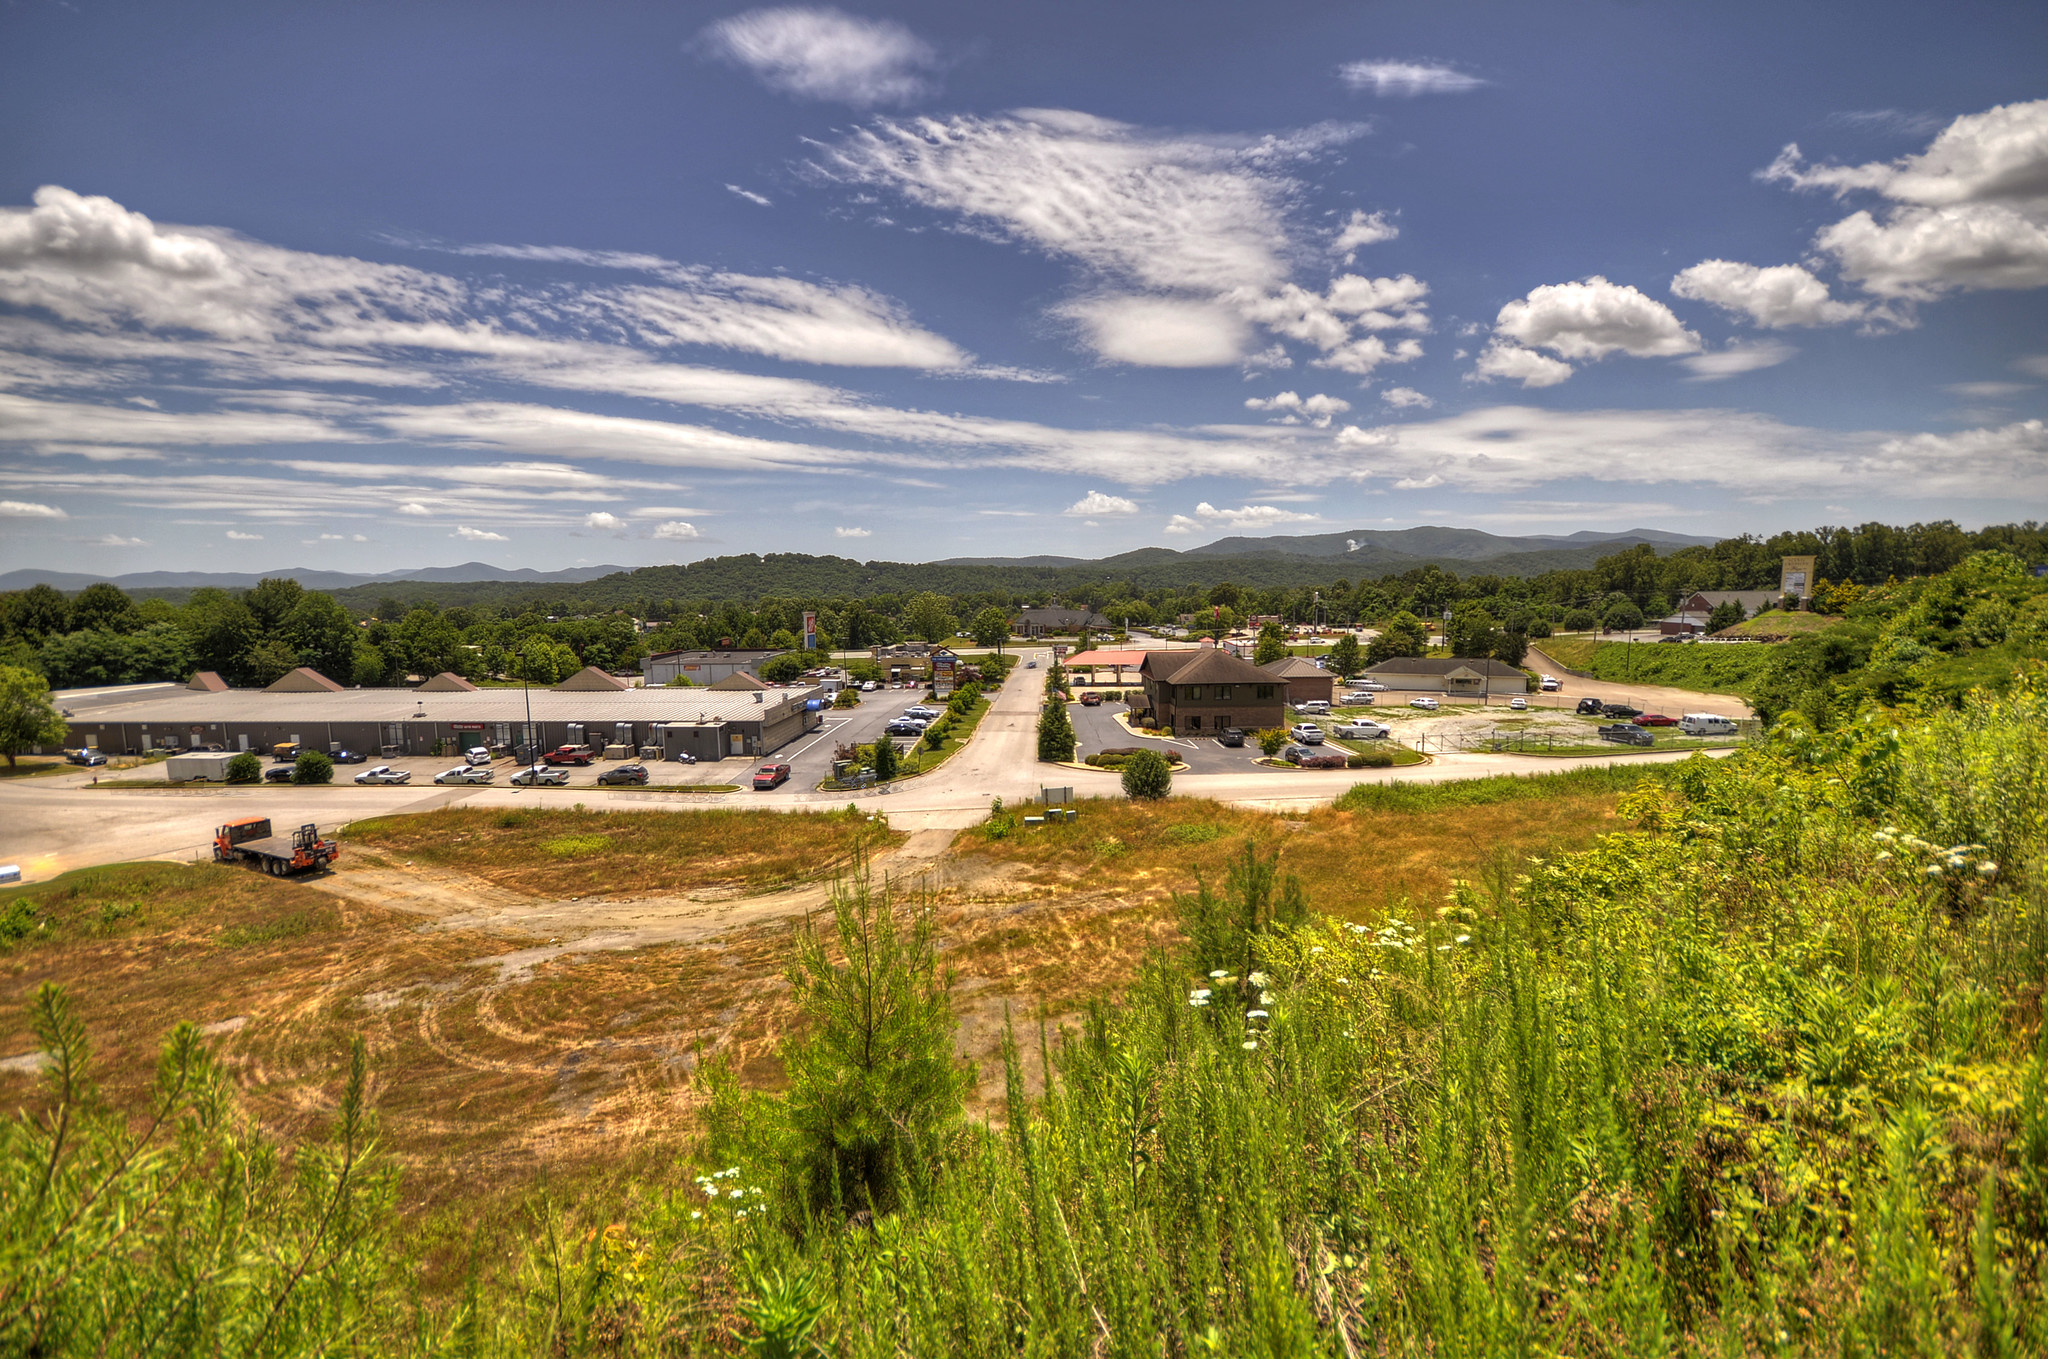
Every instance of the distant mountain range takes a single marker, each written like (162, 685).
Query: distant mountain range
(1374, 547)
(312, 580)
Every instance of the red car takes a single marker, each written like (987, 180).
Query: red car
(1656, 720)
(567, 755)
(770, 776)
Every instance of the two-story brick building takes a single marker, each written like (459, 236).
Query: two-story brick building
(1199, 693)
(1304, 679)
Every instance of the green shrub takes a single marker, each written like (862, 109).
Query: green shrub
(1271, 740)
(313, 766)
(1193, 833)
(1147, 776)
(1369, 759)
(245, 768)
(576, 846)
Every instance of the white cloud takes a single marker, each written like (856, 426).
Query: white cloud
(1988, 390)
(1969, 212)
(1096, 502)
(1407, 78)
(821, 53)
(239, 537)
(752, 197)
(477, 535)
(1406, 398)
(1515, 364)
(1317, 410)
(1362, 229)
(853, 533)
(603, 521)
(1208, 517)
(414, 509)
(1159, 332)
(1737, 358)
(676, 530)
(333, 538)
(29, 509)
(116, 540)
(1593, 318)
(1892, 121)
(1775, 298)
(2037, 364)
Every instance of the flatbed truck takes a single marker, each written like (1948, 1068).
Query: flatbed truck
(249, 839)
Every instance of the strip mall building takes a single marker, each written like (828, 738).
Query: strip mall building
(744, 721)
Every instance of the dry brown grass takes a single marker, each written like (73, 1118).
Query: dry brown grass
(572, 851)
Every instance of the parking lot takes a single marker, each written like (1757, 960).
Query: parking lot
(1096, 729)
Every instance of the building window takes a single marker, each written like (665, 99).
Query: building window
(1191, 692)
(1264, 691)
(1222, 691)
(1195, 723)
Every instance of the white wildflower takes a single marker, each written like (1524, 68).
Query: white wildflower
(1256, 1014)
(1249, 1044)
(1257, 979)
(1464, 938)
(1218, 975)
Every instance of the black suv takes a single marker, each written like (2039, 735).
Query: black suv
(1619, 710)
(1628, 734)
(1589, 707)
(1230, 736)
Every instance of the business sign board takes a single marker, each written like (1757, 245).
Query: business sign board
(945, 667)
(1796, 576)
(810, 631)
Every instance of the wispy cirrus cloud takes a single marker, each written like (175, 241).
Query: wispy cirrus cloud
(1406, 79)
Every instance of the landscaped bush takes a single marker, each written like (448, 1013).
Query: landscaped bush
(1147, 776)
(244, 768)
(312, 767)
(1272, 740)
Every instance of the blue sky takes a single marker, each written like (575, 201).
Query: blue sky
(385, 285)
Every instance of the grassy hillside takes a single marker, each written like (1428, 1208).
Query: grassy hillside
(1702, 666)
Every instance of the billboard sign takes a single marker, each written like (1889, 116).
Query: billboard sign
(944, 670)
(1796, 577)
(810, 631)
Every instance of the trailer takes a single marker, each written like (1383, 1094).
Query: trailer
(203, 766)
(278, 855)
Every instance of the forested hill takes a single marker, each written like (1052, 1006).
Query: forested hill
(749, 577)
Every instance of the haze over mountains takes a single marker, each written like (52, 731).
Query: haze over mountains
(311, 579)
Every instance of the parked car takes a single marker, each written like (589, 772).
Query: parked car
(91, 758)
(1619, 710)
(1031, 665)
(906, 726)
(1358, 700)
(870, 686)
(567, 755)
(1518, 704)
(1231, 736)
(349, 757)
(540, 776)
(770, 776)
(284, 752)
(1656, 720)
(463, 773)
(279, 773)
(1307, 757)
(624, 773)
(929, 714)
(1706, 724)
(1628, 734)
(1091, 699)
(478, 755)
(1308, 733)
(1588, 707)
(1550, 684)
(384, 773)
(1373, 685)
(1358, 729)
(1427, 704)
(1315, 706)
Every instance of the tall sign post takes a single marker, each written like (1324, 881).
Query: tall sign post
(810, 631)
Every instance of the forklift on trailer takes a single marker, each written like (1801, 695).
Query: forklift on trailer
(277, 855)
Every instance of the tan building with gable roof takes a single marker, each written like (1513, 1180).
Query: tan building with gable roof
(1305, 680)
(1199, 693)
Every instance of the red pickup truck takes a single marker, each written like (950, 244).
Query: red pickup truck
(567, 755)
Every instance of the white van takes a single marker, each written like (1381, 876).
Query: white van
(1313, 706)
(1706, 724)
(476, 755)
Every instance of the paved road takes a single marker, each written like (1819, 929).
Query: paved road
(54, 823)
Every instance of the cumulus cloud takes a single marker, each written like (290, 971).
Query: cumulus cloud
(477, 535)
(824, 54)
(235, 535)
(1775, 298)
(29, 509)
(1969, 212)
(1362, 229)
(1098, 503)
(853, 533)
(1737, 358)
(1593, 318)
(1512, 363)
(603, 521)
(1208, 517)
(1317, 410)
(1159, 332)
(1406, 398)
(414, 509)
(676, 530)
(116, 540)
(1407, 78)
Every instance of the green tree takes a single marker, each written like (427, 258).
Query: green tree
(159, 652)
(928, 618)
(312, 766)
(273, 600)
(784, 669)
(1402, 636)
(884, 762)
(1347, 657)
(991, 627)
(1621, 615)
(367, 666)
(1272, 740)
(223, 631)
(245, 768)
(106, 607)
(323, 635)
(1147, 776)
(35, 613)
(1726, 614)
(28, 718)
(268, 661)
(1272, 644)
(1055, 730)
(1510, 646)
(77, 660)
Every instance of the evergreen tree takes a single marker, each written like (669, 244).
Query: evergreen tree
(885, 759)
(1055, 731)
